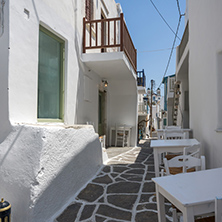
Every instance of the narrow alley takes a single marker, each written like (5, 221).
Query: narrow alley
(122, 191)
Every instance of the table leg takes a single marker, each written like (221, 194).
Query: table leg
(188, 215)
(129, 138)
(156, 162)
(110, 137)
(160, 206)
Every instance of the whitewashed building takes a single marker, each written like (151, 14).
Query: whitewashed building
(142, 104)
(54, 70)
(199, 69)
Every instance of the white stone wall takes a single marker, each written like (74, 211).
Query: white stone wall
(42, 168)
(205, 46)
(4, 57)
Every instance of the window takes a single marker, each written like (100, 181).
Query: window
(50, 76)
(89, 9)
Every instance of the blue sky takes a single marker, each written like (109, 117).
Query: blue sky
(152, 37)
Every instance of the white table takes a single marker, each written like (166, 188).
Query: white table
(192, 193)
(162, 146)
(160, 132)
(121, 127)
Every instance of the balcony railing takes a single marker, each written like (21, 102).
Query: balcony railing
(109, 35)
(142, 108)
(141, 78)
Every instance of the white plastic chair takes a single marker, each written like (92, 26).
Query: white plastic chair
(192, 150)
(172, 127)
(174, 134)
(121, 135)
(183, 164)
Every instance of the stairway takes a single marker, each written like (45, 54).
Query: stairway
(177, 93)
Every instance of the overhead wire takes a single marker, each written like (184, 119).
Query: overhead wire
(155, 50)
(174, 41)
(171, 52)
(164, 19)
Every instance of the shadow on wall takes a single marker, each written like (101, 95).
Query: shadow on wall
(64, 186)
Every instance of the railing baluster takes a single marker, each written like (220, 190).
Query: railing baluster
(84, 35)
(102, 34)
(124, 42)
(96, 33)
(114, 32)
(108, 33)
(90, 34)
(121, 31)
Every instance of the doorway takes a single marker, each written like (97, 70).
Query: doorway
(102, 113)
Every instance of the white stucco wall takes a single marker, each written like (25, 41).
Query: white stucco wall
(4, 55)
(42, 168)
(122, 106)
(205, 45)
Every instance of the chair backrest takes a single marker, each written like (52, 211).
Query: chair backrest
(185, 162)
(192, 150)
(218, 209)
(172, 127)
(120, 130)
(174, 134)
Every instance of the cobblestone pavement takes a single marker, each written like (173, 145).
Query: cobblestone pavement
(122, 191)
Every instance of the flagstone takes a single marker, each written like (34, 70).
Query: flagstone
(124, 187)
(132, 177)
(149, 187)
(91, 193)
(114, 213)
(104, 180)
(146, 216)
(135, 171)
(87, 212)
(70, 213)
(123, 201)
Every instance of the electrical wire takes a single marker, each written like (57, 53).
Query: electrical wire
(178, 6)
(164, 19)
(174, 41)
(155, 50)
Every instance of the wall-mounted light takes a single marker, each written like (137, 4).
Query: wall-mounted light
(105, 83)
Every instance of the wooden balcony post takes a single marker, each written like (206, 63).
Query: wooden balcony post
(102, 33)
(121, 32)
(84, 35)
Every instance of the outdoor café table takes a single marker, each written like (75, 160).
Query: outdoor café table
(162, 146)
(192, 193)
(121, 127)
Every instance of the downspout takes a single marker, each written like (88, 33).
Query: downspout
(2, 18)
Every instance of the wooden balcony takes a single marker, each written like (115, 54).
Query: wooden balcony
(141, 78)
(109, 35)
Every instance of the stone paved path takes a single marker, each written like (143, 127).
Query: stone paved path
(122, 191)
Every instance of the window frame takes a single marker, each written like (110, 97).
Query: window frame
(62, 77)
